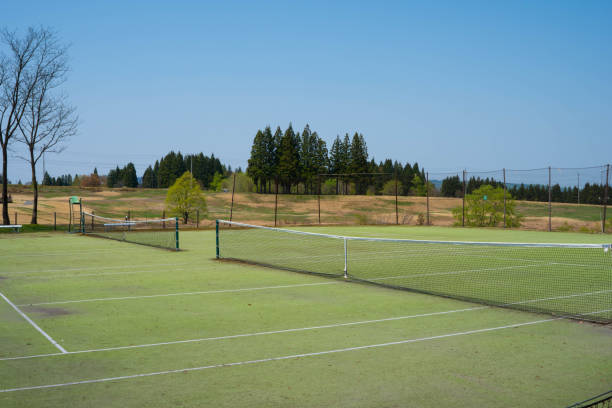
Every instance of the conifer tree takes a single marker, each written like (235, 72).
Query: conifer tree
(129, 177)
(256, 162)
(359, 162)
(289, 160)
(148, 178)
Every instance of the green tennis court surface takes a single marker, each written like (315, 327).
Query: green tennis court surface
(136, 326)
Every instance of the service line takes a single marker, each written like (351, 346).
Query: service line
(263, 333)
(206, 292)
(279, 358)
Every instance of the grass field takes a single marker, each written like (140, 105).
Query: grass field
(128, 326)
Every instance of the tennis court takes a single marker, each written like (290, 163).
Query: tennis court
(111, 323)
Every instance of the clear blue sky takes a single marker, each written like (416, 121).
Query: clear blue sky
(474, 84)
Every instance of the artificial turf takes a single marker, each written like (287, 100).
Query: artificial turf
(91, 294)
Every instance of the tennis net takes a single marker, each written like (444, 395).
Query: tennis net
(161, 233)
(569, 280)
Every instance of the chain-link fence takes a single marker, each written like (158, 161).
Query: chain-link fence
(547, 198)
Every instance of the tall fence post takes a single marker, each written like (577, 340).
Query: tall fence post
(163, 218)
(275, 202)
(605, 199)
(578, 188)
(396, 206)
(319, 199)
(463, 202)
(197, 219)
(233, 190)
(505, 188)
(549, 202)
(427, 194)
(54, 221)
(16, 222)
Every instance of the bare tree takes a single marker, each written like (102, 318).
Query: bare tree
(48, 121)
(19, 75)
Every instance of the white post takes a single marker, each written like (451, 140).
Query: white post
(345, 260)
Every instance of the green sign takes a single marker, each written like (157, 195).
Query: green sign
(75, 200)
(484, 198)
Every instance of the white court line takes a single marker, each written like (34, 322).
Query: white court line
(87, 275)
(181, 294)
(421, 275)
(598, 292)
(64, 253)
(288, 357)
(94, 268)
(41, 331)
(235, 336)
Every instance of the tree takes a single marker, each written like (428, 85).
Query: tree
(289, 160)
(48, 121)
(451, 187)
(244, 184)
(216, 183)
(20, 73)
(484, 207)
(148, 178)
(185, 197)
(389, 188)
(256, 163)
(359, 161)
(269, 164)
(47, 181)
(90, 181)
(129, 176)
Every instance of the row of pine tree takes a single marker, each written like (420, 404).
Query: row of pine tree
(302, 163)
(166, 170)
(588, 194)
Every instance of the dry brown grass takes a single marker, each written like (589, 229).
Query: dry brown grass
(259, 208)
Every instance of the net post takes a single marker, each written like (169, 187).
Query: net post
(427, 194)
(217, 236)
(16, 218)
(505, 188)
(345, 259)
(176, 228)
(605, 199)
(197, 219)
(549, 202)
(54, 221)
(463, 203)
(82, 222)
